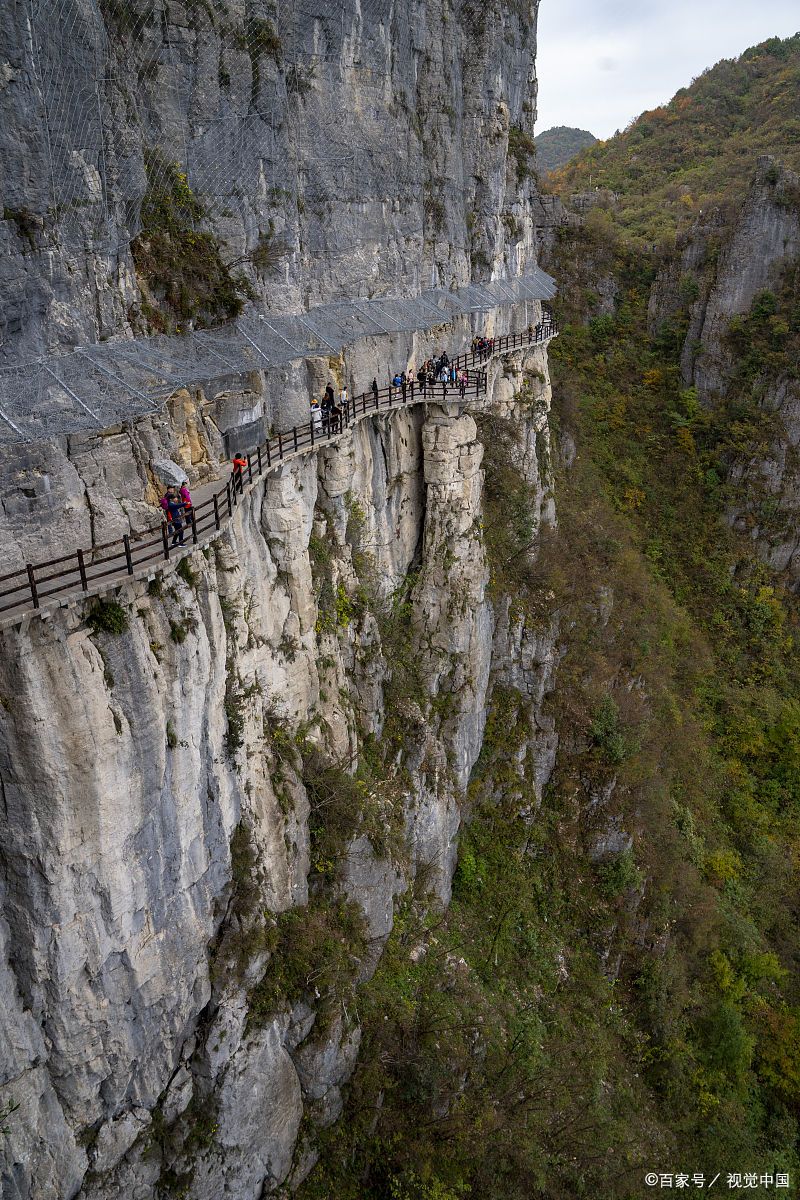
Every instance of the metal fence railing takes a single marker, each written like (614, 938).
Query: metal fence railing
(87, 572)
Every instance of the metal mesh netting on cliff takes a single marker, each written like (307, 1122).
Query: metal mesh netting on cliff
(133, 92)
(99, 386)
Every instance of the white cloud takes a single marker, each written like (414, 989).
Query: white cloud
(602, 62)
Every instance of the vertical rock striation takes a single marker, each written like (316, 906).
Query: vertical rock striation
(133, 761)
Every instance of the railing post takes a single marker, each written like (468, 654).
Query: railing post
(216, 511)
(311, 427)
(280, 445)
(193, 519)
(269, 455)
(32, 583)
(126, 541)
(294, 432)
(82, 569)
(249, 468)
(165, 540)
(260, 464)
(229, 498)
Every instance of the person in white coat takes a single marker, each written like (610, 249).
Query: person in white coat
(316, 416)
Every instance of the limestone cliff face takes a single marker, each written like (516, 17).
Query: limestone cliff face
(162, 787)
(726, 265)
(363, 147)
(366, 146)
(133, 763)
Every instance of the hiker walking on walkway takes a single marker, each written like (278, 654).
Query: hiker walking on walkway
(344, 404)
(326, 407)
(239, 464)
(336, 417)
(375, 391)
(462, 383)
(174, 508)
(316, 416)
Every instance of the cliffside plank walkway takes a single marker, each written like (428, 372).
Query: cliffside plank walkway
(41, 587)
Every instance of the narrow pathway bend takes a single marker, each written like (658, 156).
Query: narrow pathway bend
(40, 588)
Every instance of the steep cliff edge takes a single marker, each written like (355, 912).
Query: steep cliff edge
(212, 809)
(217, 787)
(728, 296)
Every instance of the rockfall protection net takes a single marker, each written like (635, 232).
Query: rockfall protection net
(135, 96)
(133, 92)
(101, 385)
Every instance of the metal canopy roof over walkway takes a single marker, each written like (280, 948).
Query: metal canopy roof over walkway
(100, 385)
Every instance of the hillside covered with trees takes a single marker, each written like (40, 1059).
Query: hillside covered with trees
(699, 150)
(557, 146)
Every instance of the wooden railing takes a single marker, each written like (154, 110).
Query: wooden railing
(89, 571)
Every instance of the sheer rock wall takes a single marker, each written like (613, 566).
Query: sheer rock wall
(122, 789)
(129, 761)
(368, 144)
(730, 264)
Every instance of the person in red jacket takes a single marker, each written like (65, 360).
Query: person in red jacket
(239, 464)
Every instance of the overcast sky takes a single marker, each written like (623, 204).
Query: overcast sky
(603, 62)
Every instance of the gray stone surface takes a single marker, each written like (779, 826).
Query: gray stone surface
(121, 798)
(122, 1011)
(427, 99)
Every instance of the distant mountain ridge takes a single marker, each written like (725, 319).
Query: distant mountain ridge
(556, 146)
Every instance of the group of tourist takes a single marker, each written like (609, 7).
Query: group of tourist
(482, 348)
(441, 370)
(177, 501)
(330, 414)
(177, 505)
